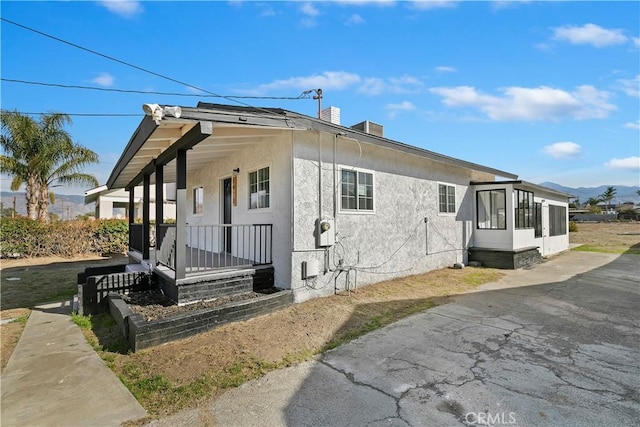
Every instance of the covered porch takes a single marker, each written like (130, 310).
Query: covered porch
(206, 247)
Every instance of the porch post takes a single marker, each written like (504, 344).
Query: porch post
(159, 195)
(145, 216)
(181, 213)
(159, 204)
(131, 214)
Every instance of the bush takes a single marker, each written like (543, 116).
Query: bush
(31, 238)
(573, 226)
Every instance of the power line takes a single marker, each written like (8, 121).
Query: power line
(146, 92)
(24, 113)
(111, 58)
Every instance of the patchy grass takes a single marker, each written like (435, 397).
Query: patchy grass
(42, 280)
(613, 237)
(10, 332)
(233, 354)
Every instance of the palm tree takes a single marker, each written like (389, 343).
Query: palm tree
(42, 155)
(608, 195)
(593, 201)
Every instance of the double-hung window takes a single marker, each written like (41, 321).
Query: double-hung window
(259, 189)
(446, 198)
(357, 190)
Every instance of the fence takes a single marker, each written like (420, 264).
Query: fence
(92, 295)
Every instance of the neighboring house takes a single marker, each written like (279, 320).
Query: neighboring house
(317, 207)
(115, 203)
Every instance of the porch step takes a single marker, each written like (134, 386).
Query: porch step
(208, 286)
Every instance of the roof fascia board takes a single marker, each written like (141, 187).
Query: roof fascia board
(201, 131)
(146, 127)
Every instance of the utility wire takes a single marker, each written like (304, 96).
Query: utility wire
(146, 92)
(24, 113)
(111, 58)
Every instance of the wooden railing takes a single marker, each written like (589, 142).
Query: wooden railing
(166, 245)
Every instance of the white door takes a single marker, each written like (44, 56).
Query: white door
(545, 229)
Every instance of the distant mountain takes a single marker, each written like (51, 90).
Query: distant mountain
(624, 193)
(66, 206)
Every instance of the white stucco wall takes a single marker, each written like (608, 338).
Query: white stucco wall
(275, 153)
(393, 240)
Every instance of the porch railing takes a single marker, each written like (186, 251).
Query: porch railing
(135, 237)
(216, 246)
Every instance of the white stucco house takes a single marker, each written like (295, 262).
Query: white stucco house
(320, 207)
(114, 203)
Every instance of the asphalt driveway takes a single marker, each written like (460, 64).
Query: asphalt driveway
(556, 345)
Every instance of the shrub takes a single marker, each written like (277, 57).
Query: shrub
(32, 238)
(573, 226)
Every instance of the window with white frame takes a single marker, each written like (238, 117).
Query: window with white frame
(357, 190)
(446, 198)
(259, 189)
(198, 200)
(491, 209)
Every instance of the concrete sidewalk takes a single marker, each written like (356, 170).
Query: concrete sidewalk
(55, 378)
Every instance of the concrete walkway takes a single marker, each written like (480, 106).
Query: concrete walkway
(55, 378)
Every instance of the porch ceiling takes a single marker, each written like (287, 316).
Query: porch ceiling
(225, 141)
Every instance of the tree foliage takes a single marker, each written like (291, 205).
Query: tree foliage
(42, 155)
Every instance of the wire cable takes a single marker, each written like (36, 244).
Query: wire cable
(24, 113)
(111, 58)
(146, 92)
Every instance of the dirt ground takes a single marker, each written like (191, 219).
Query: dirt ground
(10, 332)
(623, 237)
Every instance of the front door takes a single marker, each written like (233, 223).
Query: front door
(226, 213)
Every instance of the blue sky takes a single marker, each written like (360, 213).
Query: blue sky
(546, 90)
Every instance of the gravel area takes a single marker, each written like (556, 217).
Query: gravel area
(153, 304)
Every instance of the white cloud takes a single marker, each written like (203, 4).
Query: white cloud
(504, 4)
(311, 13)
(530, 104)
(104, 79)
(589, 34)
(365, 2)
(433, 4)
(404, 105)
(630, 163)
(355, 19)
(193, 90)
(328, 80)
(124, 8)
(635, 41)
(310, 10)
(633, 125)
(394, 109)
(404, 84)
(446, 69)
(631, 86)
(563, 150)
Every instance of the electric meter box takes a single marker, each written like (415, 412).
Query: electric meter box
(325, 232)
